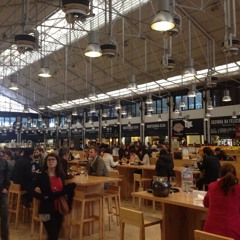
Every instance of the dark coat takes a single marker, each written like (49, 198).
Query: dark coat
(46, 196)
(22, 172)
(210, 167)
(164, 166)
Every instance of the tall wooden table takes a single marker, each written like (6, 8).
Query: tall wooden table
(181, 212)
(90, 185)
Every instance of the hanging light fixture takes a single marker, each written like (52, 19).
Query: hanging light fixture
(25, 108)
(13, 86)
(163, 20)
(93, 49)
(189, 70)
(182, 103)
(118, 105)
(176, 109)
(74, 113)
(149, 114)
(208, 114)
(234, 114)
(104, 113)
(92, 95)
(210, 106)
(41, 107)
(129, 124)
(149, 99)
(129, 116)
(150, 108)
(132, 84)
(44, 70)
(40, 117)
(159, 118)
(92, 108)
(192, 90)
(226, 97)
(123, 111)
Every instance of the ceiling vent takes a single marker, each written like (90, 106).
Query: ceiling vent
(25, 43)
(75, 10)
(231, 47)
(109, 49)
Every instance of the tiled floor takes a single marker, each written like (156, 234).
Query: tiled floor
(131, 233)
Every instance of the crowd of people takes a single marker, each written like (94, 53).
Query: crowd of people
(48, 171)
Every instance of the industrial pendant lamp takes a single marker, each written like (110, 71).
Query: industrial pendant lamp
(182, 103)
(226, 97)
(234, 114)
(189, 70)
(93, 49)
(159, 118)
(41, 107)
(44, 70)
(192, 91)
(118, 105)
(13, 86)
(149, 99)
(163, 20)
(132, 84)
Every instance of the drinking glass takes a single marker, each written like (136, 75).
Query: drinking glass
(172, 180)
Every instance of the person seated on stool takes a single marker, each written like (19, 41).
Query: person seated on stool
(96, 165)
(209, 166)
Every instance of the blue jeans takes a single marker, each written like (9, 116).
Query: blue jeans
(4, 216)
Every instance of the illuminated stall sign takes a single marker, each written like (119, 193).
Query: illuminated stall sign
(225, 127)
(110, 132)
(131, 131)
(91, 133)
(156, 129)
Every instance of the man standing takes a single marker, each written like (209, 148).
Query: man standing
(22, 174)
(96, 165)
(4, 185)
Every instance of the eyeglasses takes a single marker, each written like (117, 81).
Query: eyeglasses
(51, 159)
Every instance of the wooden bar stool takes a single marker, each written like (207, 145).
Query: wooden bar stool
(136, 218)
(86, 213)
(14, 201)
(36, 218)
(201, 235)
(112, 197)
(137, 179)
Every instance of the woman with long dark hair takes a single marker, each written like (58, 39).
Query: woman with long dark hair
(51, 184)
(223, 201)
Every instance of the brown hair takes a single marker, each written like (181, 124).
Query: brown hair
(59, 169)
(228, 177)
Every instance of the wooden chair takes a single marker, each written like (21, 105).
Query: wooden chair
(136, 218)
(201, 235)
(86, 213)
(140, 182)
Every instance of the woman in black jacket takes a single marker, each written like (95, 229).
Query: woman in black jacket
(51, 184)
(164, 165)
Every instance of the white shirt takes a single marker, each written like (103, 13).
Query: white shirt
(109, 162)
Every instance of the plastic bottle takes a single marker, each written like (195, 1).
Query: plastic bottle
(187, 179)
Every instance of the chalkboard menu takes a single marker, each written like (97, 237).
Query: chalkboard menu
(156, 129)
(91, 133)
(225, 127)
(131, 131)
